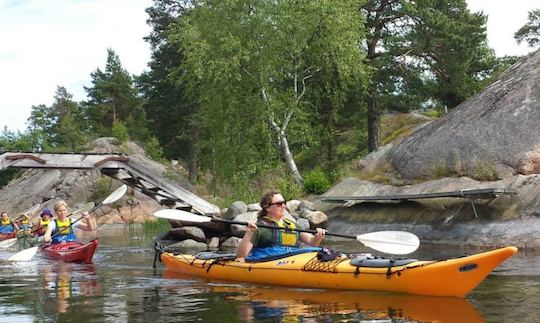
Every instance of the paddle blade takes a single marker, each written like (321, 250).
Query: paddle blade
(173, 214)
(8, 243)
(391, 242)
(25, 255)
(116, 195)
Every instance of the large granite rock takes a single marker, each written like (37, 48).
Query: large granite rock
(498, 126)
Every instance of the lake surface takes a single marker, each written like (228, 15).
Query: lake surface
(122, 286)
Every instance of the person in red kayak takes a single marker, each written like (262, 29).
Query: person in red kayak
(41, 226)
(61, 229)
(6, 225)
(259, 243)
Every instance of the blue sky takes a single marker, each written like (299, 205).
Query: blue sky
(46, 43)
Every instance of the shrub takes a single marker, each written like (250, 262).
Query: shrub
(316, 182)
(120, 131)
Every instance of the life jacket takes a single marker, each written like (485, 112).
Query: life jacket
(25, 225)
(63, 231)
(42, 227)
(6, 226)
(284, 237)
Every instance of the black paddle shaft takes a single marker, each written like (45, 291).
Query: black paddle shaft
(285, 229)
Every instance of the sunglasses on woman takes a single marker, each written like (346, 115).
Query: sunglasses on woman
(280, 203)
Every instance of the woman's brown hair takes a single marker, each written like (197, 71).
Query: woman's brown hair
(265, 202)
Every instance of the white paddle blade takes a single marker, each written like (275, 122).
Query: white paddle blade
(391, 242)
(8, 243)
(173, 214)
(25, 255)
(116, 195)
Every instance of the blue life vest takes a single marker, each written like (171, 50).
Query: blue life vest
(66, 232)
(6, 227)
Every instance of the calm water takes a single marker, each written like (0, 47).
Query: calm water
(122, 286)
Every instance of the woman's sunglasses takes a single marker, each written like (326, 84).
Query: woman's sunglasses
(280, 203)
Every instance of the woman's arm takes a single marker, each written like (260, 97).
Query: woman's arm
(313, 240)
(245, 245)
(47, 235)
(89, 224)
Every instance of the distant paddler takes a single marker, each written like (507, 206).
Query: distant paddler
(41, 226)
(7, 227)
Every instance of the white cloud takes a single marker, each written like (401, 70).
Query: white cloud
(504, 19)
(46, 43)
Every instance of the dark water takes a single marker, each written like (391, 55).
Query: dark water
(122, 286)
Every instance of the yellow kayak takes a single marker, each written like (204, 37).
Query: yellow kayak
(450, 277)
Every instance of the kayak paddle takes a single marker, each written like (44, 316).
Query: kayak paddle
(28, 254)
(10, 242)
(391, 242)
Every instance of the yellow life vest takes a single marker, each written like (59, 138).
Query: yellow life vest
(43, 223)
(6, 222)
(285, 237)
(25, 222)
(63, 227)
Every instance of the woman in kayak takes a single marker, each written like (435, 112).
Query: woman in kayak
(266, 242)
(61, 229)
(6, 225)
(41, 226)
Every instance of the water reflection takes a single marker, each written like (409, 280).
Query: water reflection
(63, 281)
(255, 303)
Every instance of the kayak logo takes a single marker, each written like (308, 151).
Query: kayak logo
(468, 267)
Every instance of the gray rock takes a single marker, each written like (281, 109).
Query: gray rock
(235, 209)
(231, 243)
(213, 244)
(185, 233)
(188, 246)
(302, 224)
(317, 219)
(254, 207)
(238, 230)
(496, 126)
(293, 205)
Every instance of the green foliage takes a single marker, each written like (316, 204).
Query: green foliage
(316, 182)
(530, 32)
(102, 188)
(113, 98)
(251, 67)
(153, 149)
(120, 131)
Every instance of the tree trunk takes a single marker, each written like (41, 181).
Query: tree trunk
(194, 157)
(373, 120)
(288, 157)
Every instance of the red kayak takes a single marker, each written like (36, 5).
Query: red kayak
(4, 236)
(72, 251)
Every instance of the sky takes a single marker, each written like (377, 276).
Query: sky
(50, 43)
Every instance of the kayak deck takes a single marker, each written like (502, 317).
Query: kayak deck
(72, 251)
(451, 277)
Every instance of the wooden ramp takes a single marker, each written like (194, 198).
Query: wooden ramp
(120, 167)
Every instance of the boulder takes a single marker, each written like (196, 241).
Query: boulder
(235, 209)
(529, 163)
(188, 245)
(184, 233)
(238, 230)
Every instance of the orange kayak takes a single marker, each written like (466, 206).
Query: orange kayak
(72, 251)
(450, 277)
